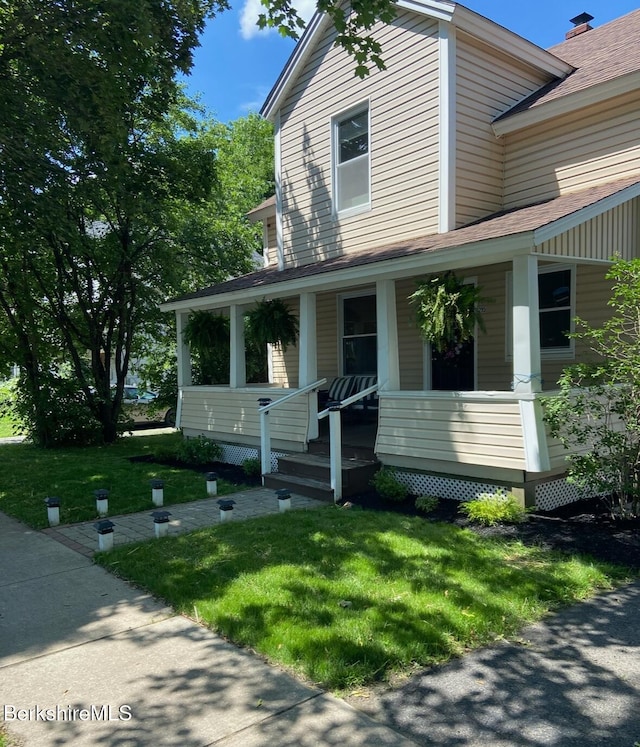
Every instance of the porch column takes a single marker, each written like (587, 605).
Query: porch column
(308, 356)
(526, 326)
(183, 352)
(387, 330)
(238, 368)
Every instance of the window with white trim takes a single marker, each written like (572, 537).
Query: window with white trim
(359, 335)
(556, 310)
(351, 183)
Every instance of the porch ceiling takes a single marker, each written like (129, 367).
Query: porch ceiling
(497, 238)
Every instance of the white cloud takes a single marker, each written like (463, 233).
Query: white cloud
(252, 9)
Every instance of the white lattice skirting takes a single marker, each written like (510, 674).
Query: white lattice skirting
(548, 495)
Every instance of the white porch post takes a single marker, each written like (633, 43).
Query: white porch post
(183, 354)
(526, 326)
(527, 371)
(308, 357)
(335, 451)
(238, 372)
(387, 329)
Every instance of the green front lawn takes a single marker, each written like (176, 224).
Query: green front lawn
(30, 474)
(345, 598)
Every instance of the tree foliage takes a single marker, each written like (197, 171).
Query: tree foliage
(351, 21)
(596, 415)
(112, 187)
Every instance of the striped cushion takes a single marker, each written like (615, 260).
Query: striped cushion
(371, 400)
(341, 388)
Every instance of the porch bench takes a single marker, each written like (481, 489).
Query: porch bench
(344, 386)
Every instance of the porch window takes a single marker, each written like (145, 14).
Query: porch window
(359, 336)
(351, 192)
(556, 309)
(555, 305)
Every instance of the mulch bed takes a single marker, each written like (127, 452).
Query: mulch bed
(584, 527)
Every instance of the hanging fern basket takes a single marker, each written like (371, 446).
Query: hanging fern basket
(447, 310)
(273, 322)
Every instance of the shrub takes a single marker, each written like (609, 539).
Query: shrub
(388, 486)
(427, 503)
(494, 508)
(252, 467)
(199, 450)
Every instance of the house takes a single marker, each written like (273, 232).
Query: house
(475, 151)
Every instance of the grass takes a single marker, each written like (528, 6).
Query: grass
(7, 425)
(30, 474)
(347, 598)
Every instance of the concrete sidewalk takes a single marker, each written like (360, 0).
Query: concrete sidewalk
(73, 638)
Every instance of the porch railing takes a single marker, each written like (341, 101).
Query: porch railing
(333, 410)
(265, 407)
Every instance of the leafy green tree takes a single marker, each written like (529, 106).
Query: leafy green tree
(110, 188)
(596, 415)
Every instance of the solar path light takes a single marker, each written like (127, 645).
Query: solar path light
(212, 483)
(284, 499)
(226, 509)
(102, 501)
(161, 523)
(53, 510)
(157, 492)
(105, 534)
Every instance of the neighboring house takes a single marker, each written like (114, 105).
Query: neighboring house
(475, 151)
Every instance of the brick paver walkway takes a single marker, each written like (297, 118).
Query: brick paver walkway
(185, 517)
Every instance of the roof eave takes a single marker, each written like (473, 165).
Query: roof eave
(456, 257)
(565, 104)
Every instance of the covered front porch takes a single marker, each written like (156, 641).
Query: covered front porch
(492, 431)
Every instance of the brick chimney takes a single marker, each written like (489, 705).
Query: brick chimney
(580, 25)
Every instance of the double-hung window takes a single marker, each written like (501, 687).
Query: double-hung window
(351, 191)
(555, 297)
(556, 310)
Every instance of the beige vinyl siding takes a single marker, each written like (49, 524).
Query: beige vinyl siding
(232, 414)
(487, 84)
(327, 330)
(581, 149)
(272, 242)
(410, 342)
(593, 291)
(615, 232)
(463, 429)
(494, 371)
(286, 365)
(403, 104)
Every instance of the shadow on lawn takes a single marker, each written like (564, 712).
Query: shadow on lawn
(307, 610)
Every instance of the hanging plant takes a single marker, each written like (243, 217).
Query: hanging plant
(273, 322)
(447, 310)
(206, 331)
(208, 336)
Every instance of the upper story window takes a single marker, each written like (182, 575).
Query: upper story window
(351, 193)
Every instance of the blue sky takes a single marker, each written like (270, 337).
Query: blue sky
(236, 65)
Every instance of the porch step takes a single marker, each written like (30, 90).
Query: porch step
(310, 475)
(322, 447)
(301, 485)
